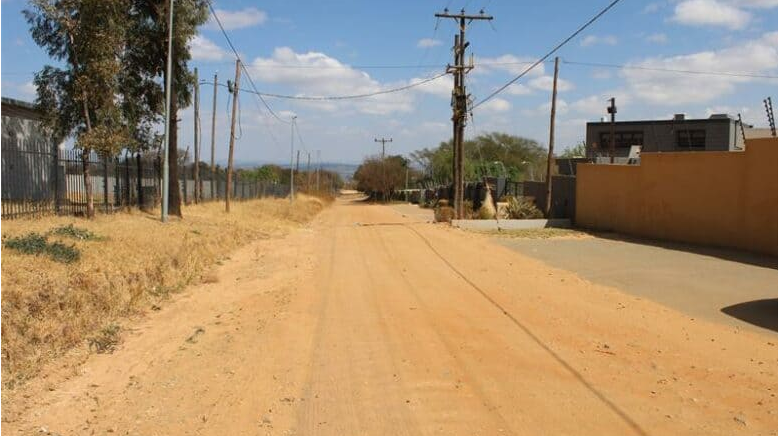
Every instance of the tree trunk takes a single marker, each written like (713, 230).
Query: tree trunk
(174, 204)
(90, 199)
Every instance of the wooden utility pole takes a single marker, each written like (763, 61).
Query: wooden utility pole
(459, 101)
(550, 160)
(213, 137)
(612, 112)
(196, 139)
(235, 89)
(383, 142)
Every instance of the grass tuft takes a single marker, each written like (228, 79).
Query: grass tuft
(74, 232)
(106, 339)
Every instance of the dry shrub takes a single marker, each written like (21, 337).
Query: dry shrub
(49, 307)
(522, 208)
(444, 214)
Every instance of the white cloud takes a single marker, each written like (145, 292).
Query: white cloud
(203, 49)
(546, 83)
(428, 42)
(232, 20)
(508, 63)
(518, 89)
(496, 105)
(29, 89)
(657, 38)
(759, 55)
(591, 40)
(757, 4)
(651, 8)
(439, 87)
(711, 13)
(317, 74)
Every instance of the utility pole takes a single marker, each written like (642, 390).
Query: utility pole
(291, 163)
(612, 111)
(383, 142)
(196, 139)
(235, 89)
(213, 138)
(550, 160)
(168, 80)
(459, 100)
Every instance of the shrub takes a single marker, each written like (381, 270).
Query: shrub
(71, 231)
(444, 214)
(522, 209)
(34, 243)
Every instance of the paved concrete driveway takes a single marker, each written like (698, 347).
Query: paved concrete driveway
(720, 285)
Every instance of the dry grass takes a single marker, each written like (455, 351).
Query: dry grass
(136, 262)
(547, 233)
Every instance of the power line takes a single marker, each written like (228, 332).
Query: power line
(547, 55)
(341, 97)
(243, 66)
(672, 70)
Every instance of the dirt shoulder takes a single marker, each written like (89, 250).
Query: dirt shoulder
(131, 264)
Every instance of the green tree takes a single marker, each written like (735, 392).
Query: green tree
(491, 154)
(80, 98)
(579, 150)
(144, 63)
(381, 177)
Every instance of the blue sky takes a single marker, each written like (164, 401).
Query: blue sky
(330, 47)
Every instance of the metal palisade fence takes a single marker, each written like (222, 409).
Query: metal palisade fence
(39, 179)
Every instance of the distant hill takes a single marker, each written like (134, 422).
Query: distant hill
(345, 170)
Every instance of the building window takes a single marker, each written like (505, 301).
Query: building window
(623, 139)
(690, 139)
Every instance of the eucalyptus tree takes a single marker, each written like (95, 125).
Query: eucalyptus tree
(80, 96)
(143, 75)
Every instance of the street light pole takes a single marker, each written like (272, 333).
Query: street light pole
(168, 80)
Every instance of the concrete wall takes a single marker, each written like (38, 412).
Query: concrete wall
(726, 199)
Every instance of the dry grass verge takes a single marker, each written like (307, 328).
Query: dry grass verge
(546, 233)
(130, 262)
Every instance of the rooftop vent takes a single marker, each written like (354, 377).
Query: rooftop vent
(679, 117)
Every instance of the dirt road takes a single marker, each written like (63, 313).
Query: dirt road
(367, 323)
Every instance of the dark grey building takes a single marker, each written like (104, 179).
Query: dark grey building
(720, 132)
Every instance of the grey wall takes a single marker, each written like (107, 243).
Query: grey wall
(661, 135)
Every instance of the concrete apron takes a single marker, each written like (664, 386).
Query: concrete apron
(510, 224)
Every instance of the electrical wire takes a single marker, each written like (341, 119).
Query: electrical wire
(243, 66)
(671, 70)
(339, 97)
(547, 55)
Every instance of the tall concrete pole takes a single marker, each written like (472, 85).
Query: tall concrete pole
(168, 80)
(213, 137)
(196, 139)
(291, 164)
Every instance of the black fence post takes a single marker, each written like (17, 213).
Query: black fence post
(56, 179)
(138, 160)
(105, 184)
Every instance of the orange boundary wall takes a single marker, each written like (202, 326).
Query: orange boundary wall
(725, 199)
